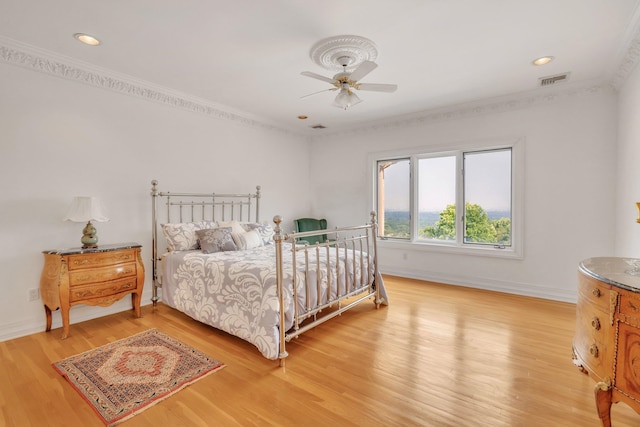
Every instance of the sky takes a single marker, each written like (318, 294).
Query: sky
(487, 181)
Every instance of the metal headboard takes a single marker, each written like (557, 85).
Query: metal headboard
(191, 207)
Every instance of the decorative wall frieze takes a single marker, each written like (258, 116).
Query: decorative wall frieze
(30, 57)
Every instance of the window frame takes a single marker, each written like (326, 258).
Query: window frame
(516, 145)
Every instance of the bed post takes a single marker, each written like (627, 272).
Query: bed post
(154, 242)
(277, 238)
(374, 235)
(257, 204)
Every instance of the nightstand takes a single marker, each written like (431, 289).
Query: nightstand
(93, 276)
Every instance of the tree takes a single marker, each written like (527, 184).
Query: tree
(503, 230)
(444, 228)
(479, 228)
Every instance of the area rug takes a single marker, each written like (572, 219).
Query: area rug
(125, 377)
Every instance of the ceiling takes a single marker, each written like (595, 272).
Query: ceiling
(247, 55)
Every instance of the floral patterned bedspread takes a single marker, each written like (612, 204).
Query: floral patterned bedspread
(235, 291)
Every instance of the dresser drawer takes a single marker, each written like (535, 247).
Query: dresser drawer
(101, 274)
(594, 291)
(87, 292)
(92, 260)
(592, 338)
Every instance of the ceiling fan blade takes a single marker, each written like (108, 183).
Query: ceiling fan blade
(320, 91)
(318, 76)
(363, 69)
(377, 87)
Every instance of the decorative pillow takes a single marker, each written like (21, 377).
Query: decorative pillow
(247, 240)
(182, 236)
(216, 240)
(265, 230)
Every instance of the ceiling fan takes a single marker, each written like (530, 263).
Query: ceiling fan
(346, 82)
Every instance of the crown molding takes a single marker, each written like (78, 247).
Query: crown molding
(629, 56)
(27, 56)
(478, 108)
(30, 57)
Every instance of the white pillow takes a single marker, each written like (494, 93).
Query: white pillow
(265, 230)
(235, 226)
(247, 240)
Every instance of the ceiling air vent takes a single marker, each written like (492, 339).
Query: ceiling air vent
(318, 127)
(553, 80)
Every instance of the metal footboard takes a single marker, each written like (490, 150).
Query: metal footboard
(353, 247)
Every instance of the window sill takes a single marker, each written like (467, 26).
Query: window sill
(443, 248)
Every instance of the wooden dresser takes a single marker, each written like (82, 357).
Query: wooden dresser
(607, 340)
(96, 276)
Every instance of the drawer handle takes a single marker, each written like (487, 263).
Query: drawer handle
(595, 323)
(593, 350)
(596, 292)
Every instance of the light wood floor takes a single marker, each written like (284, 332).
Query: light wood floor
(437, 356)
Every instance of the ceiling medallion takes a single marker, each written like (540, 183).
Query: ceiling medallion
(334, 53)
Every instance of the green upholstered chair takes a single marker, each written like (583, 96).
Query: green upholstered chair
(311, 224)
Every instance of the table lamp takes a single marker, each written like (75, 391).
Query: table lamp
(87, 209)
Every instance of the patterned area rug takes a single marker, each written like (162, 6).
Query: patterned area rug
(126, 377)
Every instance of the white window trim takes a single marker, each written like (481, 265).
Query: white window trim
(516, 144)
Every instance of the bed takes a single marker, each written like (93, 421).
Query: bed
(214, 260)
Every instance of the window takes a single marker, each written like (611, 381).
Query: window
(460, 200)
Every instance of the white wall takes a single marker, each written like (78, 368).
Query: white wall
(60, 138)
(628, 178)
(569, 186)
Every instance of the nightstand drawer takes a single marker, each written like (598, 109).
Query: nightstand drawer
(82, 293)
(92, 260)
(102, 274)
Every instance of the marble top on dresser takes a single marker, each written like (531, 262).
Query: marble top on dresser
(100, 248)
(620, 272)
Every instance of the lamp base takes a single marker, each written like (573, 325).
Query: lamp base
(89, 236)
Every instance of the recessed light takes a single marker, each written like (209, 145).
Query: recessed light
(303, 117)
(87, 39)
(543, 60)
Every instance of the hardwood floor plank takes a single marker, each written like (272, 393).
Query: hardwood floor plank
(438, 355)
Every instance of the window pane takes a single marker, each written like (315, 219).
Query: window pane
(437, 198)
(487, 194)
(394, 198)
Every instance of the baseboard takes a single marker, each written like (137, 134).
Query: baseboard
(510, 287)
(80, 314)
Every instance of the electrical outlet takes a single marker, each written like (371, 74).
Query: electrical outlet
(34, 294)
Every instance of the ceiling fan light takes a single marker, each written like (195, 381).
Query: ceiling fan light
(346, 99)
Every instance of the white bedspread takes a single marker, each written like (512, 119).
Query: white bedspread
(236, 291)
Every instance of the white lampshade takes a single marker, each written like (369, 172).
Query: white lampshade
(346, 98)
(84, 209)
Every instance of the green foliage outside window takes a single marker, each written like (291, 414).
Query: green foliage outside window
(480, 229)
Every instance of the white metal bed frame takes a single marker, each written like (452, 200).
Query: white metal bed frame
(356, 241)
